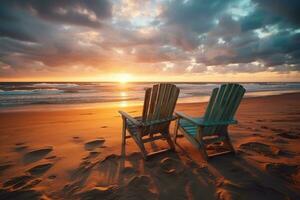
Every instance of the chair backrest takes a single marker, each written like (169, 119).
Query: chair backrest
(223, 104)
(159, 104)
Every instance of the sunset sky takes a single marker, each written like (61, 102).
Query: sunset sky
(143, 40)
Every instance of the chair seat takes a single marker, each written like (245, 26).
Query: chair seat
(189, 127)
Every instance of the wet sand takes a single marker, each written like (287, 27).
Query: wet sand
(77, 154)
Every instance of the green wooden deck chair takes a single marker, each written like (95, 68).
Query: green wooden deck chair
(212, 128)
(159, 104)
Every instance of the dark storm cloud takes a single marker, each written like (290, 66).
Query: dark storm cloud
(242, 40)
(274, 50)
(288, 10)
(184, 21)
(194, 15)
(257, 19)
(25, 20)
(16, 24)
(70, 12)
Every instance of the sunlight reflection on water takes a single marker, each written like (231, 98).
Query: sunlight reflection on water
(123, 104)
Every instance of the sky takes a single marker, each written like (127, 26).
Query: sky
(143, 40)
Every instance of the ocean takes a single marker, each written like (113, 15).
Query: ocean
(22, 94)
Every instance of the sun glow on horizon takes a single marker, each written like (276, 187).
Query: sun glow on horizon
(124, 78)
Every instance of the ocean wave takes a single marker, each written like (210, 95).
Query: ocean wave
(30, 92)
(56, 85)
(14, 94)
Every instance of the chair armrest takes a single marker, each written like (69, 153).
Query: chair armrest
(199, 122)
(130, 118)
(188, 118)
(159, 121)
(221, 123)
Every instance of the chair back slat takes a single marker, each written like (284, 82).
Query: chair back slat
(172, 99)
(152, 102)
(146, 103)
(222, 106)
(164, 110)
(210, 103)
(216, 104)
(159, 104)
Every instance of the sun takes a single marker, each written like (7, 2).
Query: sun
(124, 78)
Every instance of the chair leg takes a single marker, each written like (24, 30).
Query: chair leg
(170, 142)
(143, 150)
(166, 134)
(140, 144)
(176, 130)
(124, 131)
(228, 141)
(202, 149)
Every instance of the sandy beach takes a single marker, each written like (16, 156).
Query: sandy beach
(77, 154)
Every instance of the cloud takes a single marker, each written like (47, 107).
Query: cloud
(289, 11)
(86, 13)
(171, 37)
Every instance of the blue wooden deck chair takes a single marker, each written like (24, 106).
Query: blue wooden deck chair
(159, 105)
(213, 126)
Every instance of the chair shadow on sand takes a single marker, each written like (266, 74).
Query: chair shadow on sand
(239, 178)
(176, 175)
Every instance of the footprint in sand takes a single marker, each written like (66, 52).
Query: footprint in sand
(40, 169)
(21, 194)
(77, 139)
(92, 154)
(171, 166)
(5, 166)
(24, 182)
(289, 135)
(36, 155)
(264, 149)
(110, 192)
(31, 184)
(18, 182)
(91, 145)
(128, 191)
(20, 146)
(280, 141)
(51, 157)
(52, 177)
(283, 171)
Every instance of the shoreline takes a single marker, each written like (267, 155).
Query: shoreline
(125, 104)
